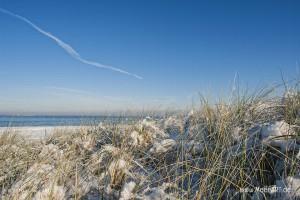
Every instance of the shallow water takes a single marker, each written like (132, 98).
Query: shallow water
(18, 121)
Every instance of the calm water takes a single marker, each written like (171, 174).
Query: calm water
(12, 121)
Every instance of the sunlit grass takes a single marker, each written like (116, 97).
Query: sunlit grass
(211, 153)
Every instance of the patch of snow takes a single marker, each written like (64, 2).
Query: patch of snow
(117, 169)
(134, 135)
(195, 148)
(173, 126)
(237, 133)
(279, 128)
(136, 138)
(159, 193)
(126, 193)
(150, 126)
(37, 132)
(191, 113)
(37, 174)
(53, 192)
(294, 184)
(276, 134)
(38, 168)
(117, 165)
(109, 148)
(284, 145)
(163, 146)
(101, 126)
(148, 118)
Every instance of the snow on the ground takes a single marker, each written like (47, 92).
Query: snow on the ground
(37, 132)
(195, 148)
(160, 142)
(279, 128)
(173, 126)
(54, 192)
(279, 135)
(127, 190)
(159, 193)
(163, 146)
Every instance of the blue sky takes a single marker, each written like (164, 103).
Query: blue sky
(180, 48)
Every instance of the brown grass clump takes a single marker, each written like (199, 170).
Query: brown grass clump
(16, 156)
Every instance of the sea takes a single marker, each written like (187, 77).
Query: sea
(23, 121)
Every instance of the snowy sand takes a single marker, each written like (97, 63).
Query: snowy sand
(37, 132)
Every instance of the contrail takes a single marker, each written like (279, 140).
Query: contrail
(72, 52)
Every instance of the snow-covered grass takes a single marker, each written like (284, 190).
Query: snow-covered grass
(214, 152)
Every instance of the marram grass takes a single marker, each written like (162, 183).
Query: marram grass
(221, 151)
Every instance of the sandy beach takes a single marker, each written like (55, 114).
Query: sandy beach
(37, 132)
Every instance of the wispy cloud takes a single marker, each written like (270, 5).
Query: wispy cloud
(68, 90)
(68, 48)
(58, 90)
